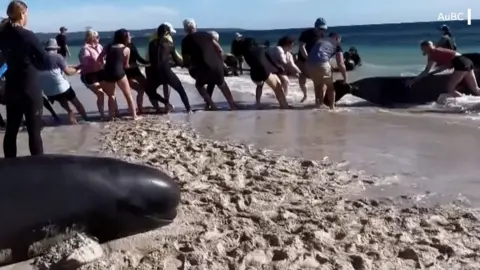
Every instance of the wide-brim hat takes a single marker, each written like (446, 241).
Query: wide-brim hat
(51, 44)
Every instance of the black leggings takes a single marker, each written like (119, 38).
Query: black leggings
(31, 108)
(165, 77)
(48, 106)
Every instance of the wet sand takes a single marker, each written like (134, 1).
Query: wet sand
(427, 157)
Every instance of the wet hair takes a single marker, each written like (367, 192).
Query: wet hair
(120, 36)
(353, 50)
(163, 30)
(15, 11)
(285, 41)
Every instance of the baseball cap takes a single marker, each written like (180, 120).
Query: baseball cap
(320, 23)
(170, 26)
(63, 28)
(445, 27)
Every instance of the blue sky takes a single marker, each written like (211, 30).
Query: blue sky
(49, 15)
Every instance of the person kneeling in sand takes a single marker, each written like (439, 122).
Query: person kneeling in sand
(54, 84)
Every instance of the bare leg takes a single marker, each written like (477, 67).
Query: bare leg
(70, 113)
(80, 109)
(228, 95)
(98, 91)
(258, 94)
(109, 89)
(127, 92)
(471, 82)
(210, 89)
(274, 82)
(203, 92)
(330, 94)
(454, 80)
(285, 83)
(302, 81)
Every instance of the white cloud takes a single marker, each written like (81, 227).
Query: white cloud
(101, 17)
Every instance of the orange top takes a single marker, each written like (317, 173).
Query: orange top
(442, 56)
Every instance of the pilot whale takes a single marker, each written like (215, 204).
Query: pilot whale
(43, 196)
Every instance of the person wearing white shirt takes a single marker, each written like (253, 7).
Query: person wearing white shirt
(282, 56)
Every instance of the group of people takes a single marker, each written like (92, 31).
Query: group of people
(102, 69)
(443, 56)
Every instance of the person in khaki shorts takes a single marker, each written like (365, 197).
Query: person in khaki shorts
(320, 71)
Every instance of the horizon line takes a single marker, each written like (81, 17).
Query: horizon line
(244, 29)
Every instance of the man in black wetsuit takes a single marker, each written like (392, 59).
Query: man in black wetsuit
(24, 55)
(306, 41)
(62, 42)
(204, 58)
(236, 51)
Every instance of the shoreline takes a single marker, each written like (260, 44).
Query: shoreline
(245, 208)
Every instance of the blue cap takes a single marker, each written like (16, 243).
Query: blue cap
(321, 24)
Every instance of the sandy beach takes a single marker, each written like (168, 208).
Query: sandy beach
(249, 203)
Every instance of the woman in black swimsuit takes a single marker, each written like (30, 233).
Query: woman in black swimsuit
(160, 72)
(116, 61)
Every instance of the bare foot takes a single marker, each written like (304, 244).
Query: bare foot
(304, 98)
(72, 119)
(169, 108)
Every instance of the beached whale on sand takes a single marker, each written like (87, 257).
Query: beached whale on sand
(42, 196)
(390, 91)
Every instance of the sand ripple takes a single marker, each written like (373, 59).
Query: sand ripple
(247, 208)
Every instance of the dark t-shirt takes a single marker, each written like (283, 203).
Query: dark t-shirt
(62, 43)
(309, 38)
(201, 51)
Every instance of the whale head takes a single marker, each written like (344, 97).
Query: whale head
(149, 202)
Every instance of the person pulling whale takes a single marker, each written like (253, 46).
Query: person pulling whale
(320, 70)
(463, 69)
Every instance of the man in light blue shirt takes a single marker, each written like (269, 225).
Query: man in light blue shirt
(320, 70)
(55, 86)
